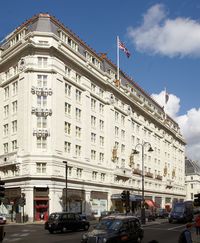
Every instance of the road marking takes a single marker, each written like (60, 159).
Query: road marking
(180, 226)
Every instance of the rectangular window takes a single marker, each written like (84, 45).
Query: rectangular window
(14, 107)
(78, 150)
(101, 108)
(67, 109)
(101, 157)
(14, 145)
(41, 122)
(6, 92)
(122, 134)
(78, 114)
(78, 95)
(79, 172)
(78, 78)
(93, 155)
(94, 175)
(42, 62)
(103, 176)
(93, 104)
(41, 143)
(78, 132)
(116, 116)
(67, 71)
(122, 148)
(41, 168)
(101, 92)
(5, 129)
(67, 128)
(93, 121)
(68, 89)
(42, 81)
(122, 120)
(5, 148)
(116, 131)
(14, 88)
(101, 141)
(6, 111)
(42, 101)
(67, 147)
(93, 137)
(93, 88)
(101, 124)
(14, 126)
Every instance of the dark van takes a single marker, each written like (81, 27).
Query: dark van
(64, 221)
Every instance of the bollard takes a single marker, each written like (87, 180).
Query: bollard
(2, 233)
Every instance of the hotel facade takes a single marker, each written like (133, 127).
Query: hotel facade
(60, 101)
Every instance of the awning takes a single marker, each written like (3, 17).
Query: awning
(150, 203)
(41, 198)
(133, 198)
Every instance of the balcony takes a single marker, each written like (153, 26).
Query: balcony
(41, 111)
(137, 172)
(122, 173)
(41, 91)
(149, 174)
(41, 133)
(158, 177)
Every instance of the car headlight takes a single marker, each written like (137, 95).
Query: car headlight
(104, 240)
(84, 237)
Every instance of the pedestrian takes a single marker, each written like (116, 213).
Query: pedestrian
(197, 224)
(186, 236)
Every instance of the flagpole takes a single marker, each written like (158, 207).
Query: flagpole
(117, 57)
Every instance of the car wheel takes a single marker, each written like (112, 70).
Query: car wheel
(64, 229)
(86, 227)
(139, 240)
(170, 220)
(51, 231)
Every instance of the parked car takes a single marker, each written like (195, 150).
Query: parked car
(116, 228)
(2, 219)
(64, 221)
(162, 213)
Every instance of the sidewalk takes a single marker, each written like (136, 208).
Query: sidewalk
(195, 238)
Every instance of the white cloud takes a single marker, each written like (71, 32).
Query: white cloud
(170, 37)
(189, 123)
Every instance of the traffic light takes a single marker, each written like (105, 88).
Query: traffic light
(2, 189)
(197, 199)
(123, 196)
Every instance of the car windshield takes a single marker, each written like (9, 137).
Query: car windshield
(54, 216)
(179, 209)
(109, 224)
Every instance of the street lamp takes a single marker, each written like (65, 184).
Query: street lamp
(66, 170)
(143, 218)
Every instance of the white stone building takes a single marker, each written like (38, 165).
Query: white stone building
(60, 101)
(192, 178)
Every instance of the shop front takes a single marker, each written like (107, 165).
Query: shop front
(99, 202)
(75, 200)
(11, 202)
(118, 205)
(41, 203)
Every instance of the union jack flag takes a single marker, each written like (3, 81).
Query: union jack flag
(123, 48)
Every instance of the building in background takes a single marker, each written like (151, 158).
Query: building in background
(192, 178)
(60, 101)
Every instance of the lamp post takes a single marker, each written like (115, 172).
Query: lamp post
(143, 218)
(66, 170)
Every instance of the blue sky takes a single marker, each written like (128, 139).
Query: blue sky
(162, 36)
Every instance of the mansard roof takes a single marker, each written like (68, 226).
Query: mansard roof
(191, 167)
(43, 22)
